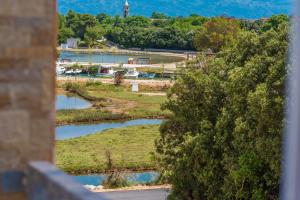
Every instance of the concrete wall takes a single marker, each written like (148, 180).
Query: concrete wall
(27, 85)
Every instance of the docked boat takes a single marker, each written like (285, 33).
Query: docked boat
(77, 71)
(60, 69)
(73, 71)
(106, 71)
(69, 72)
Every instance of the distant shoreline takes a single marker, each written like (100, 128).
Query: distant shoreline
(164, 52)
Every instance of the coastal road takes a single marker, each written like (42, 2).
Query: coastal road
(154, 194)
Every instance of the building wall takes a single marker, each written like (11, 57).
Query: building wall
(27, 85)
(72, 43)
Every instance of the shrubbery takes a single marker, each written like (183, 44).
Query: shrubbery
(224, 138)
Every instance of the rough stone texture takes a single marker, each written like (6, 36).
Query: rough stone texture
(27, 84)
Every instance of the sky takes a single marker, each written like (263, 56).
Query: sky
(251, 9)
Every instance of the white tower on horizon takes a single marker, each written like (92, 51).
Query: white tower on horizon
(126, 9)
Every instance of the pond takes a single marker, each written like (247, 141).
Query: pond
(139, 177)
(71, 102)
(73, 131)
(114, 58)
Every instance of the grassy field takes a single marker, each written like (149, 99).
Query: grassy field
(111, 103)
(130, 148)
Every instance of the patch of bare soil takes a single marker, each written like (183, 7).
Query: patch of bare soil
(118, 106)
(153, 83)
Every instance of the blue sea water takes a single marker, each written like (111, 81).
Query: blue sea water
(251, 9)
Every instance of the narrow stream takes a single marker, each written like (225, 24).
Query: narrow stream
(78, 130)
(73, 131)
(71, 102)
(138, 177)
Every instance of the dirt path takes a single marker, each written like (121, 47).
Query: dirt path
(153, 93)
(120, 106)
(154, 83)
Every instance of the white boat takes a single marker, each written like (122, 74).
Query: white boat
(60, 70)
(77, 71)
(106, 71)
(71, 71)
(132, 73)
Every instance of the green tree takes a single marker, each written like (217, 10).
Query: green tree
(137, 21)
(64, 33)
(216, 33)
(102, 17)
(61, 21)
(224, 138)
(93, 34)
(157, 15)
(274, 22)
(80, 22)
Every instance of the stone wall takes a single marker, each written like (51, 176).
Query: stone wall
(27, 85)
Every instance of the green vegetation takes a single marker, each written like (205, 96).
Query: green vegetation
(81, 91)
(224, 139)
(159, 31)
(87, 115)
(112, 103)
(134, 31)
(216, 33)
(224, 133)
(130, 148)
(114, 179)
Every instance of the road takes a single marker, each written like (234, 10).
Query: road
(155, 194)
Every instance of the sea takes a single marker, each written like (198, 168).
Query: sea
(248, 9)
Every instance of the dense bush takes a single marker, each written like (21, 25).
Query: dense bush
(224, 138)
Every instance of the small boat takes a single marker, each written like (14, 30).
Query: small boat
(60, 69)
(70, 72)
(106, 71)
(132, 73)
(77, 71)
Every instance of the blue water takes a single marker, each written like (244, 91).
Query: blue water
(98, 58)
(141, 178)
(251, 9)
(73, 131)
(71, 102)
(113, 58)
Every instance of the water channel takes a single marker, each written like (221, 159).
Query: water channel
(73, 131)
(138, 177)
(66, 102)
(78, 130)
(115, 58)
